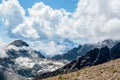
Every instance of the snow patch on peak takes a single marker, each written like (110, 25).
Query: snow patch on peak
(24, 62)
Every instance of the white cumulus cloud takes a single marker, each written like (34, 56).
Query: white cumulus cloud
(13, 14)
(97, 19)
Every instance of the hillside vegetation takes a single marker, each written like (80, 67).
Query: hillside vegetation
(106, 71)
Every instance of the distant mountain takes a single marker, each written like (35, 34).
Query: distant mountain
(75, 52)
(83, 49)
(21, 59)
(93, 57)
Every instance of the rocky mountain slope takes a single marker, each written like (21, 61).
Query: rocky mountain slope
(21, 59)
(94, 57)
(106, 71)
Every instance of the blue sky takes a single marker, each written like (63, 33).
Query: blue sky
(68, 5)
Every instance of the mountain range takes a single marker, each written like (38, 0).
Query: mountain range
(19, 59)
(93, 57)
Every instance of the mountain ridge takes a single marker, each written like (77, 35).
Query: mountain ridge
(83, 49)
(91, 58)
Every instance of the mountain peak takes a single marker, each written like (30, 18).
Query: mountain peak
(19, 43)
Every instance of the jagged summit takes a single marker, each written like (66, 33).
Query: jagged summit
(19, 43)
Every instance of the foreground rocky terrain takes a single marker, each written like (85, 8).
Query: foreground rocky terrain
(106, 71)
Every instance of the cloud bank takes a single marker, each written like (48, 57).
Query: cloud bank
(93, 20)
